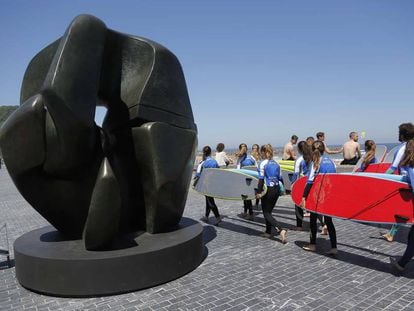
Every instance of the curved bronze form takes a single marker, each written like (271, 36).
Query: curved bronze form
(96, 183)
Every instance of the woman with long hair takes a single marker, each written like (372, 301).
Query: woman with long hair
(405, 134)
(270, 175)
(321, 164)
(243, 159)
(208, 162)
(407, 168)
(302, 164)
(369, 157)
(256, 155)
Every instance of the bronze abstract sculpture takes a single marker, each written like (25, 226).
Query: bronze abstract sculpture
(92, 183)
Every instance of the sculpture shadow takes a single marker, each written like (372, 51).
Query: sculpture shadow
(358, 260)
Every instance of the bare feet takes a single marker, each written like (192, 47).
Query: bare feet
(388, 237)
(283, 236)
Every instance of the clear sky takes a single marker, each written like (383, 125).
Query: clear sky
(256, 71)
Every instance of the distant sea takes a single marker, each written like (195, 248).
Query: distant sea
(279, 150)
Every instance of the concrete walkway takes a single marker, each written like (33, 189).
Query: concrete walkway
(242, 271)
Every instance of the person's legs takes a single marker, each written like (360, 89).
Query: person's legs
(409, 251)
(313, 228)
(331, 230)
(389, 236)
(299, 216)
(271, 197)
(324, 230)
(212, 206)
(313, 232)
(249, 206)
(208, 208)
(266, 209)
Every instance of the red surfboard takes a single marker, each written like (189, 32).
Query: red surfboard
(358, 197)
(377, 168)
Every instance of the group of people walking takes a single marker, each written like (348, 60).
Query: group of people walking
(310, 161)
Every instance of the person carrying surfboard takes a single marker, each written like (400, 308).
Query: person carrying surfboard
(271, 175)
(405, 134)
(243, 159)
(255, 153)
(302, 165)
(369, 157)
(208, 162)
(321, 164)
(407, 169)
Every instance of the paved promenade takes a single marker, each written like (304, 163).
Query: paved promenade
(242, 271)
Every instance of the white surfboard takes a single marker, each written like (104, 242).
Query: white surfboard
(228, 184)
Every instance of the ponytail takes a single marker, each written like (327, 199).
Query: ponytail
(306, 152)
(242, 150)
(318, 148)
(370, 148)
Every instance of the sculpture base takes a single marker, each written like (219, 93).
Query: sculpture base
(47, 263)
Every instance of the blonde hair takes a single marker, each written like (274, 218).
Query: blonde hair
(255, 152)
(242, 150)
(268, 151)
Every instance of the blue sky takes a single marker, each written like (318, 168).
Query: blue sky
(256, 71)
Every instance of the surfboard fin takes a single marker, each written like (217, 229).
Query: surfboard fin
(249, 181)
(244, 196)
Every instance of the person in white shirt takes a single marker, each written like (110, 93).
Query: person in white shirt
(221, 157)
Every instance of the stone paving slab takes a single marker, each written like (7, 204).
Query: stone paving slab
(242, 271)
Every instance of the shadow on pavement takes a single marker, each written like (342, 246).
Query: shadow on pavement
(209, 234)
(359, 260)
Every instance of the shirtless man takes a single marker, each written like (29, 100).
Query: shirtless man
(351, 150)
(321, 137)
(288, 152)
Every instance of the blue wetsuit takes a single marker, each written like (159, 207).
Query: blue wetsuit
(409, 251)
(398, 155)
(209, 162)
(326, 166)
(246, 160)
(395, 165)
(271, 175)
(300, 169)
(363, 167)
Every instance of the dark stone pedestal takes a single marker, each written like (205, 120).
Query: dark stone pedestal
(49, 264)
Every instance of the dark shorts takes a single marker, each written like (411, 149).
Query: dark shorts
(352, 161)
